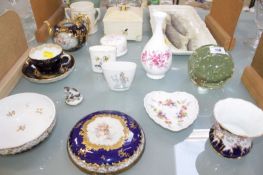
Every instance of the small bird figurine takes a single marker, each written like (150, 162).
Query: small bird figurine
(73, 96)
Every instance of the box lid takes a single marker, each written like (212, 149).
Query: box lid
(131, 14)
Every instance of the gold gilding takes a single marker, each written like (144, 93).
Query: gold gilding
(92, 146)
(87, 167)
(50, 30)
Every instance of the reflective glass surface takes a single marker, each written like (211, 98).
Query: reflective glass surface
(166, 152)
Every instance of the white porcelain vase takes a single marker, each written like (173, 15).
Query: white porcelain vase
(156, 56)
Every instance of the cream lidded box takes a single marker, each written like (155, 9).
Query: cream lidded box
(127, 21)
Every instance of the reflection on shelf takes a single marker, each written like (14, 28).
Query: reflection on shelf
(186, 152)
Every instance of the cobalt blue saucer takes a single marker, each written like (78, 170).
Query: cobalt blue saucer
(106, 142)
(35, 76)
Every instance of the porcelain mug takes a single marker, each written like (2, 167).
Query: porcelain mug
(48, 58)
(119, 74)
(100, 54)
(86, 10)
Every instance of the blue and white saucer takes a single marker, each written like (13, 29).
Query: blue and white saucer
(106, 142)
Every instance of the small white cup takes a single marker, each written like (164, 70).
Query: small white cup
(119, 75)
(101, 54)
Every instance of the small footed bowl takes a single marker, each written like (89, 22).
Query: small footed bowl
(237, 122)
(119, 75)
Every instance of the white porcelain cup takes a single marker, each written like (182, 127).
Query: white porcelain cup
(101, 54)
(87, 11)
(119, 74)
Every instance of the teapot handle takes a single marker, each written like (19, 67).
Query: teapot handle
(98, 15)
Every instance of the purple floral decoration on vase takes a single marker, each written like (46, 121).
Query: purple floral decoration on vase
(155, 59)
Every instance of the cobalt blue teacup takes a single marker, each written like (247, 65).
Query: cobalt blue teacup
(48, 58)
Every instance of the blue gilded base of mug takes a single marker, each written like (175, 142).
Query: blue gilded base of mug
(228, 144)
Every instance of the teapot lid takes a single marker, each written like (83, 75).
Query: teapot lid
(72, 24)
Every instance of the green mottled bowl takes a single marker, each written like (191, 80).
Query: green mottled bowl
(208, 68)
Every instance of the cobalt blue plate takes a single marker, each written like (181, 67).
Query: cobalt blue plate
(105, 142)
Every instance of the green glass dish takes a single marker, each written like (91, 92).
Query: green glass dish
(210, 66)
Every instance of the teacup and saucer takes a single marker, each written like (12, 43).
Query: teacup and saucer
(47, 62)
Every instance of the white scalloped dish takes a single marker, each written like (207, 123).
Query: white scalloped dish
(184, 29)
(239, 117)
(26, 119)
(173, 111)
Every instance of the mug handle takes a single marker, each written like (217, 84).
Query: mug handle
(68, 57)
(98, 16)
(67, 13)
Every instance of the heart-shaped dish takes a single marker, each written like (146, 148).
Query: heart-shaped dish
(173, 111)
